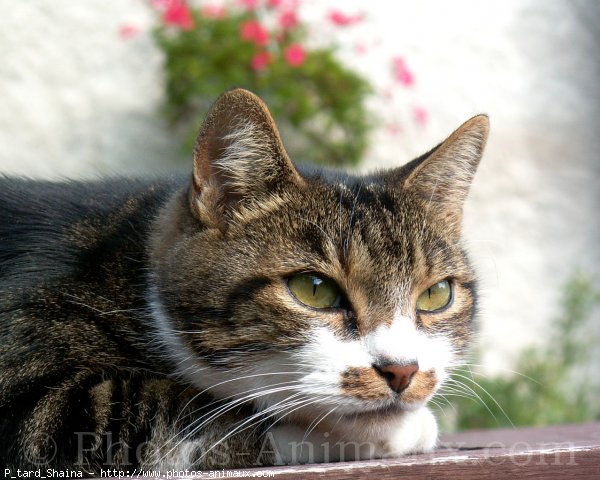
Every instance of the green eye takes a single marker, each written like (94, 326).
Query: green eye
(315, 292)
(435, 297)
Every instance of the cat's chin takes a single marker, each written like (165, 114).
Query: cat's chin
(380, 413)
(363, 437)
(397, 407)
(370, 412)
(367, 419)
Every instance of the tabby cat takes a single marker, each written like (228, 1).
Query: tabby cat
(260, 313)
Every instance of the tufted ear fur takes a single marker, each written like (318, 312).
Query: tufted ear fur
(444, 175)
(238, 158)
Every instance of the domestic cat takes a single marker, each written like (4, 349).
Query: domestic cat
(260, 313)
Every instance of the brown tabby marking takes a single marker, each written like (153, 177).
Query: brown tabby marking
(158, 311)
(364, 383)
(421, 386)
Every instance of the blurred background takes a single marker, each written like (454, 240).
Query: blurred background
(120, 87)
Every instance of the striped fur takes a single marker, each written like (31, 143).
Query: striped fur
(148, 323)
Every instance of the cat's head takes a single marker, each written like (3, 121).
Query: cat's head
(305, 290)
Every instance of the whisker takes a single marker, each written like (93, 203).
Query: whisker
(515, 372)
(488, 394)
(239, 428)
(473, 394)
(215, 413)
(311, 427)
(235, 379)
(219, 400)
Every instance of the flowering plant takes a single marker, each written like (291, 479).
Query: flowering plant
(262, 45)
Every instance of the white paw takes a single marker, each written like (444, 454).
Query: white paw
(415, 432)
(408, 432)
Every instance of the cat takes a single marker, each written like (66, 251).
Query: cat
(259, 313)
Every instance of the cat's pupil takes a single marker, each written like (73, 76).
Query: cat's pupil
(436, 297)
(156, 309)
(316, 283)
(315, 291)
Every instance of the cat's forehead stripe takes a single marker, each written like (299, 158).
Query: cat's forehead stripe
(160, 309)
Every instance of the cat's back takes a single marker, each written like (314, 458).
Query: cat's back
(47, 227)
(72, 265)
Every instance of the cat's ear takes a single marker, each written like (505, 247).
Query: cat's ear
(238, 157)
(444, 176)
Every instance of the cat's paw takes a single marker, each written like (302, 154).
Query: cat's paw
(408, 432)
(415, 432)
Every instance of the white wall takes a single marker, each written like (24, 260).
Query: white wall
(532, 218)
(76, 100)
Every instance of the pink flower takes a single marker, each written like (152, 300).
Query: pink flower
(360, 48)
(295, 55)
(214, 11)
(287, 20)
(249, 4)
(128, 31)
(161, 4)
(341, 19)
(261, 61)
(253, 31)
(178, 14)
(393, 128)
(420, 115)
(288, 4)
(401, 72)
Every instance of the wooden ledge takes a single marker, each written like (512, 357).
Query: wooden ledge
(557, 452)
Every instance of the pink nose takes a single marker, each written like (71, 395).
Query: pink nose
(398, 376)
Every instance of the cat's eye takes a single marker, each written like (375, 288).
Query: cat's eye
(314, 291)
(436, 297)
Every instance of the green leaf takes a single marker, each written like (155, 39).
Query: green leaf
(319, 105)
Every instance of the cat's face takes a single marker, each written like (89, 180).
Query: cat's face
(309, 292)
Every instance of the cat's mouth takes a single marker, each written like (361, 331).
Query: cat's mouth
(367, 396)
(374, 412)
(372, 388)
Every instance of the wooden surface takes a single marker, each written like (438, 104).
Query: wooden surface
(568, 451)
